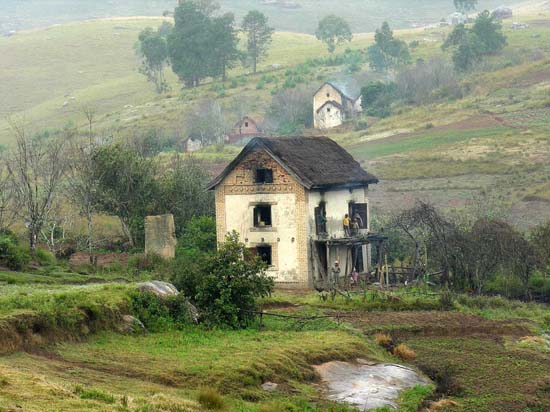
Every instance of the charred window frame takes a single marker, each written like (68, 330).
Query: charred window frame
(265, 252)
(264, 176)
(263, 216)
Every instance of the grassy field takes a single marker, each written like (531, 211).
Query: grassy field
(468, 350)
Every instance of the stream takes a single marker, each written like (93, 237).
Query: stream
(367, 385)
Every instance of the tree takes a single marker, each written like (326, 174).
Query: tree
(189, 45)
(83, 186)
(206, 122)
(126, 187)
(469, 45)
(540, 237)
(182, 191)
(224, 41)
(465, 6)
(333, 30)
(290, 111)
(387, 52)
(259, 36)
(468, 53)
(489, 30)
(376, 98)
(153, 50)
(36, 168)
(6, 196)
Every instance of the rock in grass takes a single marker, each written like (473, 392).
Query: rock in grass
(131, 324)
(269, 386)
(158, 288)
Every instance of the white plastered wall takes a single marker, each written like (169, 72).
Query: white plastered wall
(282, 235)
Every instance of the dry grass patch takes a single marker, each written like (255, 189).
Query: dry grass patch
(403, 352)
(443, 405)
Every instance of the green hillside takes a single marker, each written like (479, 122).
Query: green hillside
(490, 145)
(292, 15)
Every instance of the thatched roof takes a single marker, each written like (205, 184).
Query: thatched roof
(315, 162)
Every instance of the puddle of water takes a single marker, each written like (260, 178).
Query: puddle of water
(367, 386)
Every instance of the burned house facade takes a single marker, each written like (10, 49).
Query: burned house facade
(287, 197)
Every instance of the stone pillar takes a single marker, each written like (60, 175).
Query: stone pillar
(160, 236)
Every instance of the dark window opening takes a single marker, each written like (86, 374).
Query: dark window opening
(264, 176)
(328, 109)
(321, 219)
(262, 216)
(265, 253)
(245, 124)
(328, 94)
(358, 259)
(359, 215)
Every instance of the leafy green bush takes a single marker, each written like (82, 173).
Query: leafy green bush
(12, 255)
(44, 257)
(147, 263)
(225, 284)
(160, 313)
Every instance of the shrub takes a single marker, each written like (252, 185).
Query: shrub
(160, 313)
(11, 254)
(44, 257)
(403, 352)
(224, 285)
(147, 263)
(210, 399)
(446, 300)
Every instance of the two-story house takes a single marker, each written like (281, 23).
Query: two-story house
(287, 198)
(335, 102)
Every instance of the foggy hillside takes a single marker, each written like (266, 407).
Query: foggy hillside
(289, 15)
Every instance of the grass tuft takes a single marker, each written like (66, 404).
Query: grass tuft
(94, 394)
(405, 353)
(384, 340)
(211, 399)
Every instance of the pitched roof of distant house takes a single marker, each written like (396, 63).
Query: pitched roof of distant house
(347, 86)
(315, 162)
(244, 120)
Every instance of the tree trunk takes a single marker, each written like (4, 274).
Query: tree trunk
(127, 232)
(89, 218)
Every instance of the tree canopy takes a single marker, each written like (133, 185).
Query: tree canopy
(387, 52)
(258, 34)
(465, 6)
(201, 44)
(154, 52)
(333, 30)
(469, 45)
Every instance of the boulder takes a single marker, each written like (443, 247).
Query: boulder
(131, 324)
(270, 386)
(158, 288)
(192, 312)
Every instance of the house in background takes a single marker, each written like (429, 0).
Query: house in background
(287, 197)
(191, 145)
(245, 128)
(335, 102)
